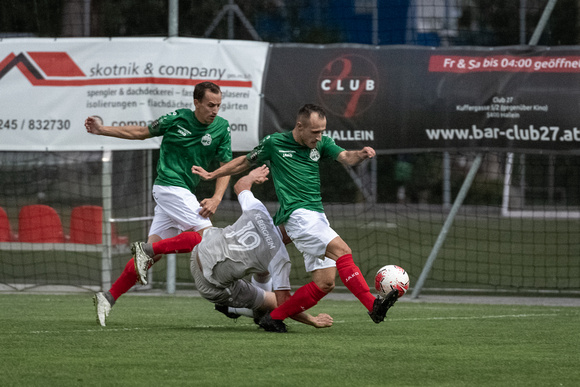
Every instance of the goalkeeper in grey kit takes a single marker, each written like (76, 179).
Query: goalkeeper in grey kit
(221, 260)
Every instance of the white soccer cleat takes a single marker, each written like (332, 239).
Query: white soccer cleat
(142, 262)
(102, 306)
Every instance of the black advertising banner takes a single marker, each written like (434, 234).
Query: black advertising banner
(408, 99)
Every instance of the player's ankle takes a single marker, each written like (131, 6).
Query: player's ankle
(148, 249)
(109, 298)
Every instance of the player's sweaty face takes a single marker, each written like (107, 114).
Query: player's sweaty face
(207, 109)
(312, 130)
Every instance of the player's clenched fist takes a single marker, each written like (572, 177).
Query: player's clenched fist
(93, 125)
(367, 153)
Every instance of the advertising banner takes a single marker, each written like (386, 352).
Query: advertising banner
(48, 87)
(406, 99)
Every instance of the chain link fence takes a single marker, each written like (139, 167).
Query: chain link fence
(415, 22)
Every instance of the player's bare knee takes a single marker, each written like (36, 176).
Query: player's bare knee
(326, 286)
(269, 302)
(345, 251)
(337, 248)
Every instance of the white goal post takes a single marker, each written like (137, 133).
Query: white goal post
(508, 212)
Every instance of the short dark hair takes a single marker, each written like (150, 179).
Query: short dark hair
(307, 110)
(201, 88)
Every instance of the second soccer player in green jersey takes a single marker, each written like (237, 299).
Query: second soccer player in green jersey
(294, 161)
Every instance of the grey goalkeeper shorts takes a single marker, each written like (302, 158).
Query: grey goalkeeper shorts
(239, 293)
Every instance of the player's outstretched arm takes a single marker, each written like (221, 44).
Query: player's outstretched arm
(209, 205)
(131, 132)
(353, 158)
(323, 320)
(256, 176)
(237, 165)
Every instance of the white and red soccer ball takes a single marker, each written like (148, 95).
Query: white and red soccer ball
(391, 277)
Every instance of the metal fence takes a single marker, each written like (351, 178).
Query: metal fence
(416, 22)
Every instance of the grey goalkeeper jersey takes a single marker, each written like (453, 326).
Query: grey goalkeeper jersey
(252, 244)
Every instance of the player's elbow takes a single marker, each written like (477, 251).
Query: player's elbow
(348, 158)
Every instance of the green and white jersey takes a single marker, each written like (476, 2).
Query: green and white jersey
(187, 142)
(295, 171)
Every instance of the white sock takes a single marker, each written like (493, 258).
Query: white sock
(241, 311)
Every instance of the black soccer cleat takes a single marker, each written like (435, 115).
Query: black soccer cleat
(382, 305)
(224, 309)
(258, 316)
(271, 325)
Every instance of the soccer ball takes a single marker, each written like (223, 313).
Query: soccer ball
(391, 277)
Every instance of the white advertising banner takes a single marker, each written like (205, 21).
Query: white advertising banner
(48, 87)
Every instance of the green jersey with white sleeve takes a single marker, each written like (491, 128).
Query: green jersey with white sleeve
(187, 142)
(295, 171)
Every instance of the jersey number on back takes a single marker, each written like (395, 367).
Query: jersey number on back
(248, 238)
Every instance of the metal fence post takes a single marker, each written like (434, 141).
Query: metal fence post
(171, 272)
(447, 225)
(107, 192)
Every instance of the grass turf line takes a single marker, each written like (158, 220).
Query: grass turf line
(54, 340)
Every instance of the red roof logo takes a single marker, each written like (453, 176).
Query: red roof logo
(58, 69)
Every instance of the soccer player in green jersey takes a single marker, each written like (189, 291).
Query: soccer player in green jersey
(189, 138)
(294, 161)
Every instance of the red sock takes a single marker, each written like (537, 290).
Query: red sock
(304, 298)
(182, 243)
(126, 280)
(351, 277)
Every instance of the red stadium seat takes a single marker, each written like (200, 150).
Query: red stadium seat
(86, 227)
(5, 229)
(39, 223)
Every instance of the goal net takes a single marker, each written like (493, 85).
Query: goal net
(57, 216)
(484, 250)
(71, 203)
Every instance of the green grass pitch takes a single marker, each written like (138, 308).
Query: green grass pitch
(53, 340)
